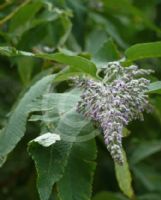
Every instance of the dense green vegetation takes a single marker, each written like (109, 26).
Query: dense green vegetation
(43, 43)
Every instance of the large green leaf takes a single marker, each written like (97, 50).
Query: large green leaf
(144, 50)
(68, 125)
(50, 163)
(16, 126)
(76, 183)
(124, 179)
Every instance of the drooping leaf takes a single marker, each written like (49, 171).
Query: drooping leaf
(16, 126)
(124, 179)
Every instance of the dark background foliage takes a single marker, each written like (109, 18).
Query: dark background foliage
(80, 26)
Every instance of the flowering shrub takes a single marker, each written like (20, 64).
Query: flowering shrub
(85, 80)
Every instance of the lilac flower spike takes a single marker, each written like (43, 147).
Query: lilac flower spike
(114, 102)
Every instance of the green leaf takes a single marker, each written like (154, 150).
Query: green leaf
(145, 150)
(76, 183)
(50, 163)
(107, 53)
(67, 25)
(24, 15)
(16, 126)
(78, 63)
(69, 125)
(144, 50)
(67, 73)
(25, 68)
(124, 179)
(155, 87)
(95, 40)
(66, 76)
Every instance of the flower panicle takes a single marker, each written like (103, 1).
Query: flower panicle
(114, 102)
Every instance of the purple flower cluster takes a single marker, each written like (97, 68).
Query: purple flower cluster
(114, 102)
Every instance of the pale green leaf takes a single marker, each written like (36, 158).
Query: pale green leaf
(155, 87)
(143, 51)
(124, 179)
